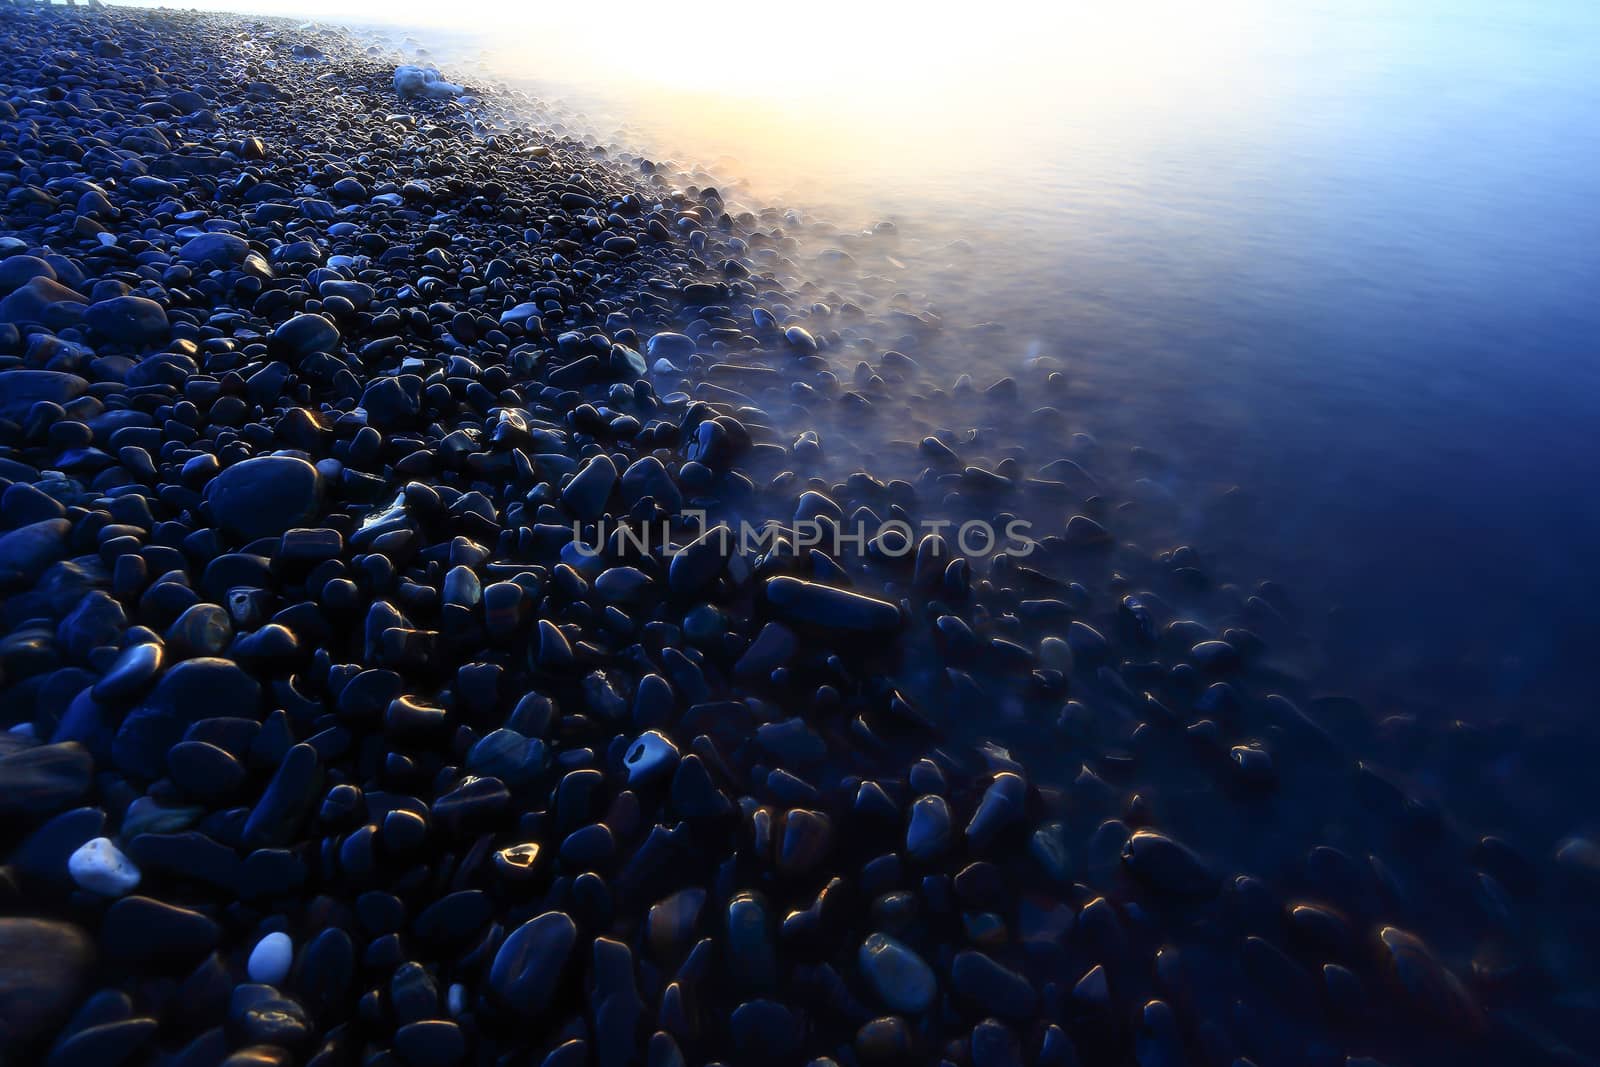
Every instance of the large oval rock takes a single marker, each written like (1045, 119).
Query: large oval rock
(215, 250)
(26, 552)
(21, 389)
(265, 496)
(305, 334)
(153, 933)
(528, 966)
(1167, 865)
(43, 300)
(45, 966)
(899, 976)
(16, 271)
(131, 320)
(37, 781)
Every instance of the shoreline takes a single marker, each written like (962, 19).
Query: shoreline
(296, 427)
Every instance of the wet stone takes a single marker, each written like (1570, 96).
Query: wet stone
(153, 933)
(1167, 865)
(929, 833)
(214, 250)
(27, 551)
(130, 320)
(264, 497)
(305, 334)
(529, 964)
(47, 966)
(824, 607)
(897, 974)
(287, 800)
(991, 987)
(38, 781)
(190, 691)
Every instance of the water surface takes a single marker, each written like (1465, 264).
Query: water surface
(1340, 257)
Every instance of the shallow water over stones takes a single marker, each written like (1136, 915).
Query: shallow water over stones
(318, 610)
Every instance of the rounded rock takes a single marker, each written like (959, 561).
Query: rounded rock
(100, 867)
(270, 959)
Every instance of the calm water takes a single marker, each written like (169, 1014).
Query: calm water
(1343, 256)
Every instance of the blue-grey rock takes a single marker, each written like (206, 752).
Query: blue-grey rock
(133, 672)
(131, 320)
(824, 607)
(214, 250)
(673, 346)
(192, 690)
(38, 781)
(45, 302)
(647, 476)
(994, 989)
(16, 271)
(264, 497)
(586, 495)
(21, 388)
(900, 977)
(26, 552)
(652, 758)
(305, 334)
(47, 964)
(140, 930)
(928, 834)
(528, 967)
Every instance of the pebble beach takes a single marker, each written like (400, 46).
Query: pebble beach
(472, 596)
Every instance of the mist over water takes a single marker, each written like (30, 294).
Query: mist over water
(1340, 255)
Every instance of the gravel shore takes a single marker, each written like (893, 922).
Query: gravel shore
(347, 723)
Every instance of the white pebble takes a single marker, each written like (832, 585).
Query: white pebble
(270, 959)
(456, 999)
(100, 867)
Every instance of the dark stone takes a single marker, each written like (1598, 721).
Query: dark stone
(45, 302)
(585, 496)
(304, 335)
(41, 860)
(131, 320)
(528, 967)
(26, 552)
(1166, 865)
(287, 800)
(105, 1044)
(140, 930)
(44, 966)
(38, 781)
(214, 250)
(193, 690)
(430, 1043)
(393, 402)
(993, 989)
(453, 919)
(264, 497)
(824, 607)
